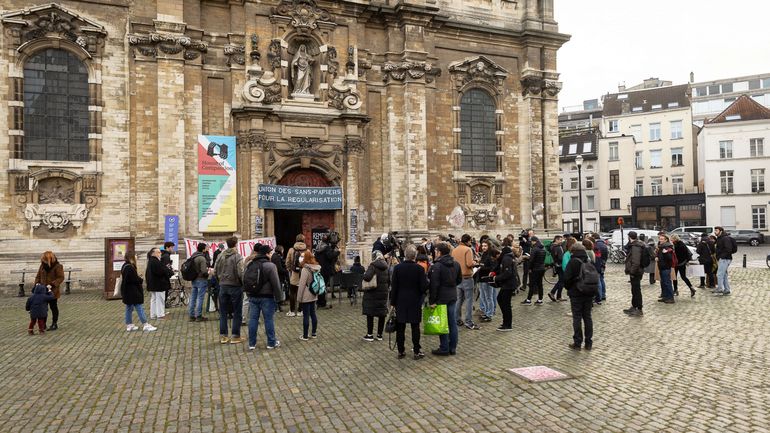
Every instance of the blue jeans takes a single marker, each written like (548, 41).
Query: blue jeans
(722, 284)
(267, 307)
(230, 300)
(464, 293)
(448, 343)
(308, 315)
(559, 286)
(666, 286)
(487, 299)
(139, 312)
(603, 288)
(199, 288)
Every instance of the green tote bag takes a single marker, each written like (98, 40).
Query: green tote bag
(435, 320)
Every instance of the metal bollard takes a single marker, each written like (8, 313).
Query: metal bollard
(744, 260)
(21, 290)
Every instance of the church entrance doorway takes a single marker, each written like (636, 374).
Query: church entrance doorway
(289, 223)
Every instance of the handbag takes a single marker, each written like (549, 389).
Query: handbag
(116, 292)
(435, 320)
(390, 324)
(369, 285)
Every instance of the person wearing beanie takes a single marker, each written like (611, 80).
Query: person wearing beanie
(637, 251)
(263, 287)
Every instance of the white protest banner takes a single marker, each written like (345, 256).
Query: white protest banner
(244, 247)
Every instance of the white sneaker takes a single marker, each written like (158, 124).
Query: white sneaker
(252, 347)
(147, 327)
(277, 344)
(299, 313)
(131, 327)
(291, 314)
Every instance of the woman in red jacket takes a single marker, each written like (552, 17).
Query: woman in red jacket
(51, 275)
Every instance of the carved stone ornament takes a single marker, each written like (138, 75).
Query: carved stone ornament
(253, 140)
(478, 69)
(235, 54)
(552, 87)
(148, 45)
(262, 88)
(332, 63)
(254, 54)
(274, 54)
(354, 145)
(343, 96)
(415, 70)
(53, 21)
(302, 147)
(304, 14)
(56, 217)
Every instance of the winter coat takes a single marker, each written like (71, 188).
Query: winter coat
(557, 253)
(572, 273)
(464, 256)
(507, 278)
(357, 269)
(682, 253)
(280, 266)
(488, 264)
(537, 258)
(327, 258)
(636, 249)
(131, 285)
(375, 301)
(298, 248)
(37, 304)
(165, 258)
(409, 286)
(157, 276)
(270, 283)
(303, 287)
(445, 276)
(201, 262)
(51, 276)
(705, 251)
(379, 246)
(725, 245)
(229, 268)
(665, 256)
(601, 254)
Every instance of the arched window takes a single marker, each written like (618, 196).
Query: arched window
(55, 107)
(478, 143)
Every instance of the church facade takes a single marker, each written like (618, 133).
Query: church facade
(430, 116)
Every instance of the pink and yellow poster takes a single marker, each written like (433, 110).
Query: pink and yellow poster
(217, 184)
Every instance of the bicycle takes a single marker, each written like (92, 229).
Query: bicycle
(550, 276)
(178, 295)
(617, 254)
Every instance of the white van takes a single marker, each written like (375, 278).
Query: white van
(616, 237)
(693, 229)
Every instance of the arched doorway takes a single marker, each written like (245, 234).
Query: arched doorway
(289, 223)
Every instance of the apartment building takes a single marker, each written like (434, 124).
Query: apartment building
(709, 98)
(581, 143)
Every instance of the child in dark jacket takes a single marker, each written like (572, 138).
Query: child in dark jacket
(357, 268)
(37, 305)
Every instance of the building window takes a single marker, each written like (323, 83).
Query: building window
(676, 129)
(614, 155)
(614, 203)
(654, 131)
(638, 160)
(590, 202)
(655, 160)
(56, 118)
(561, 149)
(586, 147)
(657, 185)
(573, 183)
(575, 204)
(636, 131)
(478, 142)
(677, 183)
(757, 147)
(589, 182)
(614, 126)
(639, 188)
(725, 149)
(614, 179)
(676, 157)
(572, 149)
(726, 181)
(758, 180)
(759, 217)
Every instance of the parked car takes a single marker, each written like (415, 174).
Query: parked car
(751, 237)
(693, 229)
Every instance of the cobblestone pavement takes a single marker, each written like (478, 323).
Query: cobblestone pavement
(697, 365)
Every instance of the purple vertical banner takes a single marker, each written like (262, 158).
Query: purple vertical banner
(172, 229)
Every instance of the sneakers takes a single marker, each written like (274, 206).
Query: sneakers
(636, 313)
(438, 352)
(368, 337)
(526, 302)
(202, 319)
(460, 323)
(419, 355)
(313, 336)
(629, 310)
(131, 327)
(303, 338)
(276, 345)
(473, 326)
(223, 339)
(237, 339)
(574, 346)
(539, 302)
(379, 338)
(486, 319)
(252, 347)
(149, 328)
(291, 314)
(299, 314)
(504, 328)
(192, 319)
(401, 355)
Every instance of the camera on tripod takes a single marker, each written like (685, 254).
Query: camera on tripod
(217, 149)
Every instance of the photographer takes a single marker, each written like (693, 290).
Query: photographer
(383, 245)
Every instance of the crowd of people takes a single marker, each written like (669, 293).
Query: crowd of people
(400, 281)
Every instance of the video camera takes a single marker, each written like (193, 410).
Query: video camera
(219, 147)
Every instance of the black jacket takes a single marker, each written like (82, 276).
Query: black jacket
(131, 285)
(665, 256)
(280, 265)
(407, 293)
(507, 278)
(636, 249)
(572, 273)
(165, 258)
(270, 284)
(705, 250)
(725, 245)
(537, 258)
(327, 258)
(488, 264)
(682, 253)
(157, 276)
(37, 304)
(375, 301)
(557, 253)
(445, 276)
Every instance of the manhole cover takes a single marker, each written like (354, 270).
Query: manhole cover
(539, 373)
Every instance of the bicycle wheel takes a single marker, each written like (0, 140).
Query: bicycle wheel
(550, 275)
(184, 297)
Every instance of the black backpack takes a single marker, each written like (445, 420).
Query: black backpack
(252, 277)
(297, 267)
(588, 279)
(188, 269)
(734, 245)
(645, 258)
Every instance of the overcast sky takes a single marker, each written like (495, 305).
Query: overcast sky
(627, 41)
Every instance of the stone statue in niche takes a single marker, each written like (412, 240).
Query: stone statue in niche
(51, 191)
(302, 74)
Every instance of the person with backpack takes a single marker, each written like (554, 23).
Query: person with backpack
(601, 254)
(683, 257)
(636, 261)
(557, 253)
(666, 260)
(582, 282)
(705, 251)
(263, 288)
(294, 265)
(228, 271)
(726, 247)
(196, 270)
(375, 301)
(311, 272)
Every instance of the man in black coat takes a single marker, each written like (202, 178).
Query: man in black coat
(726, 247)
(445, 276)
(536, 270)
(557, 253)
(507, 280)
(705, 251)
(408, 287)
(581, 303)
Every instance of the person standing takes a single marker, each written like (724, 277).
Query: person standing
(526, 246)
(165, 260)
(327, 257)
(132, 294)
(463, 255)
(375, 301)
(705, 252)
(580, 302)
(305, 297)
(487, 295)
(601, 254)
(278, 260)
(557, 253)
(725, 248)
(409, 286)
(649, 244)
(200, 284)
(507, 279)
(445, 276)
(37, 305)
(683, 257)
(294, 266)
(51, 275)
(637, 251)
(536, 271)
(263, 288)
(228, 270)
(158, 284)
(665, 260)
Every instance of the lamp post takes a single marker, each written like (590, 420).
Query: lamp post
(579, 163)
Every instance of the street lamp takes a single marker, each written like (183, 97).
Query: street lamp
(579, 163)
